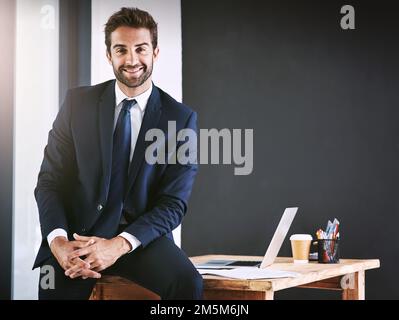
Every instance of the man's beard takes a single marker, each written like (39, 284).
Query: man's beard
(136, 82)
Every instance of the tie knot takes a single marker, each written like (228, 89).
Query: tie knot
(128, 104)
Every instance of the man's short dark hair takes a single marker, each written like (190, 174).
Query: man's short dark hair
(131, 17)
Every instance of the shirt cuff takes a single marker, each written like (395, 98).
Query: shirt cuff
(134, 242)
(56, 233)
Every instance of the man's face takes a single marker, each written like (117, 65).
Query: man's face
(132, 55)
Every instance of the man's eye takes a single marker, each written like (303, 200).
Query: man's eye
(121, 51)
(141, 50)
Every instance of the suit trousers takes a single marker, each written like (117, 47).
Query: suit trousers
(161, 267)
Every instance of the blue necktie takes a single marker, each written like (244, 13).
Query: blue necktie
(119, 172)
(121, 153)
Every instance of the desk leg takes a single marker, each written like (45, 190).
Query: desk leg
(353, 286)
(269, 295)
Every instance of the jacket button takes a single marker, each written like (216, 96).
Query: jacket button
(99, 207)
(83, 229)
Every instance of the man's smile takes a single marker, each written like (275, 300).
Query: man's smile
(133, 72)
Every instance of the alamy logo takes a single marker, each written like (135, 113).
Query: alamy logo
(181, 147)
(48, 279)
(48, 17)
(348, 281)
(348, 20)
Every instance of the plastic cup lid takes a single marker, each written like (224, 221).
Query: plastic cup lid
(301, 237)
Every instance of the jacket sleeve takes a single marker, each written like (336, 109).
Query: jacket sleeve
(171, 201)
(57, 168)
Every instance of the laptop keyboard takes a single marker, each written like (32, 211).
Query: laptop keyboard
(245, 263)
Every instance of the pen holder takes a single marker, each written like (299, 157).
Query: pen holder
(328, 250)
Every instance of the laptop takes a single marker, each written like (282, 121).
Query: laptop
(271, 252)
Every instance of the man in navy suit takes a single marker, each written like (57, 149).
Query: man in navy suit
(104, 209)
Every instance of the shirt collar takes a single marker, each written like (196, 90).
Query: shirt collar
(141, 99)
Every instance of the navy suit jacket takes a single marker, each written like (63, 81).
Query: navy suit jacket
(74, 178)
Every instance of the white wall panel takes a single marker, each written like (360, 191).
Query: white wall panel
(36, 106)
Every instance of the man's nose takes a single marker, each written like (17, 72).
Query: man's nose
(132, 58)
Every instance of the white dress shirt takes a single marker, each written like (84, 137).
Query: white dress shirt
(136, 118)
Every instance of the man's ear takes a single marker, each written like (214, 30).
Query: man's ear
(108, 56)
(156, 53)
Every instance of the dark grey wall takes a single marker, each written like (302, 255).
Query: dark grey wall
(323, 103)
(7, 34)
(75, 45)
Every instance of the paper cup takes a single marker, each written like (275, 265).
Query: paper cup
(300, 244)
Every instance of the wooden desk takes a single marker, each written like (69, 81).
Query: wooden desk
(347, 276)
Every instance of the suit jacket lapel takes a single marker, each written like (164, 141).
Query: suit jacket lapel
(106, 119)
(150, 121)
